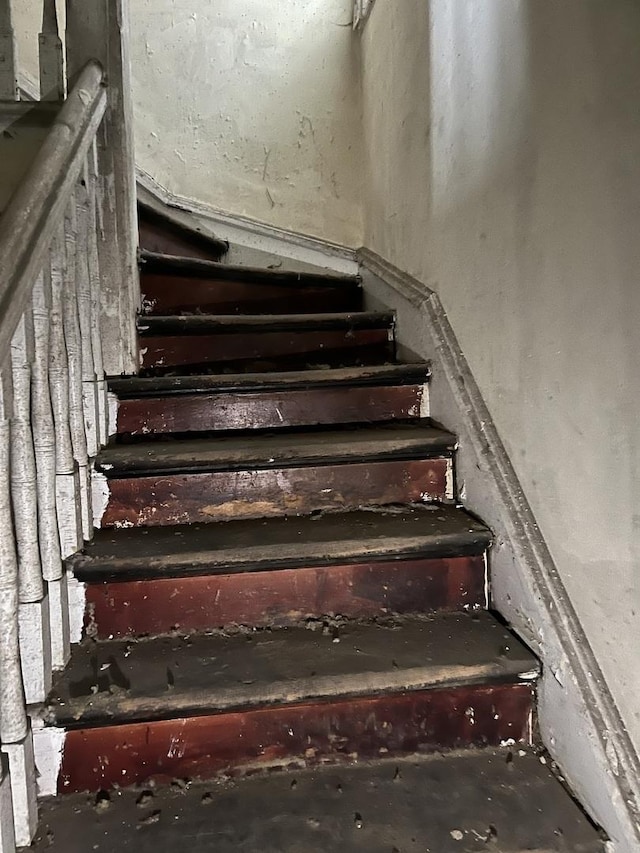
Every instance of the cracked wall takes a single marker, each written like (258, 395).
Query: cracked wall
(253, 108)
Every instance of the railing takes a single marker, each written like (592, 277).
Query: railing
(68, 299)
(53, 414)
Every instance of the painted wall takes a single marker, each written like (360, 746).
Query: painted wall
(502, 150)
(252, 107)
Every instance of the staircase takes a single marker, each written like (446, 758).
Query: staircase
(288, 646)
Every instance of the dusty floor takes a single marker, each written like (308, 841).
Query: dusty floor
(495, 800)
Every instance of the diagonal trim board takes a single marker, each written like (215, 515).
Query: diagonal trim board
(240, 231)
(579, 720)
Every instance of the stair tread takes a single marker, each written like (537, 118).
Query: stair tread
(297, 449)
(172, 264)
(387, 374)
(204, 324)
(168, 677)
(385, 533)
(153, 213)
(467, 801)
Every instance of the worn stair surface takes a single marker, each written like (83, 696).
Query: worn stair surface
(279, 571)
(182, 404)
(470, 801)
(284, 579)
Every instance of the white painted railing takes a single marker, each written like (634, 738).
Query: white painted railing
(53, 410)
(68, 301)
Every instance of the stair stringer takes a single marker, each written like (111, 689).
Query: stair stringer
(251, 243)
(579, 721)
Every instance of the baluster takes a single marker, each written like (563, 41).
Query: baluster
(44, 440)
(13, 718)
(74, 354)
(67, 474)
(91, 172)
(35, 646)
(8, 55)
(18, 789)
(50, 54)
(86, 25)
(84, 298)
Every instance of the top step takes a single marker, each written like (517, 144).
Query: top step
(161, 231)
(184, 285)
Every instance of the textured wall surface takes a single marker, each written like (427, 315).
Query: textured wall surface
(253, 107)
(503, 169)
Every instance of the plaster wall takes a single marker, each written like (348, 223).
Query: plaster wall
(252, 107)
(502, 158)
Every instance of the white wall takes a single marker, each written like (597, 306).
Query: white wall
(252, 107)
(503, 170)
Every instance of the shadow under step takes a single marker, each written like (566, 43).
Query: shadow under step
(182, 285)
(182, 404)
(160, 231)
(471, 801)
(216, 704)
(261, 475)
(282, 571)
(208, 341)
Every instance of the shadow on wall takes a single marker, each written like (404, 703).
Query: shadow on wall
(538, 266)
(503, 145)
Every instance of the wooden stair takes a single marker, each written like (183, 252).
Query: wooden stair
(284, 579)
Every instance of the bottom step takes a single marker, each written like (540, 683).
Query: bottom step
(463, 802)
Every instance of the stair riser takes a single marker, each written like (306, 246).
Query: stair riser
(283, 597)
(153, 237)
(174, 294)
(185, 498)
(289, 349)
(270, 410)
(227, 744)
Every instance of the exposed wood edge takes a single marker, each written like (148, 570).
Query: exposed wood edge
(230, 324)
(112, 710)
(436, 449)
(155, 211)
(537, 602)
(134, 387)
(35, 210)
(179, 265)
(268, 558)
(248, 232)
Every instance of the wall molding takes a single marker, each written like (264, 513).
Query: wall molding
(250, 233)
(579, 720)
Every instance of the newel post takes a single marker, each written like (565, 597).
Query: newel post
(99, 29)
(8, 58)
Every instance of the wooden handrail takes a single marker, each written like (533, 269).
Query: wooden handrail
(36, 209)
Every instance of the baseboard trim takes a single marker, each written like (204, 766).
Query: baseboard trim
(586, 734)
(252, 234)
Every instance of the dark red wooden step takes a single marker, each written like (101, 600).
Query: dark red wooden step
(162, 232)
(185, 285)
(217, 704)
(159, 406)
(283, 596)
(160, 483)
(281, 571)
(193, 342)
